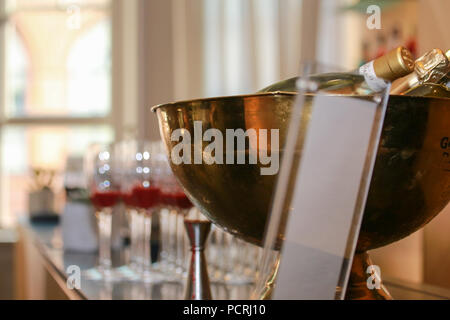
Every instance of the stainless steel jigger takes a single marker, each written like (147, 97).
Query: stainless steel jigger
(197, 287)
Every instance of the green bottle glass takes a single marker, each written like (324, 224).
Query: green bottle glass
(371, 77)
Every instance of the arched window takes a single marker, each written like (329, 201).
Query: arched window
(56, 95)
(88, 72)
(17, 76)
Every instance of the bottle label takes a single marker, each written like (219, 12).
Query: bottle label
(374, 83)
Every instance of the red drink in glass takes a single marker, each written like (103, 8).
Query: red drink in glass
(105, 199)
(167, 199)
(176, 199)
(181, 200)
(146, 197)
(128, 199)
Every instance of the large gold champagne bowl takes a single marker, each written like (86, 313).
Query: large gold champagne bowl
(410, 183)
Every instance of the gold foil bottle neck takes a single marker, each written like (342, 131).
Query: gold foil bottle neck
(447, 54)
(395, 64)
(432, 66)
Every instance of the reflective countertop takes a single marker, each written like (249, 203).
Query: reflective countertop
(48, 240)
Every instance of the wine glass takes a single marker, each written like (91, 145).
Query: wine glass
(181, 205)
(126, 153)
(104, 193)
(162, 177)
(170, 224)
(145, 193)
(174, 205)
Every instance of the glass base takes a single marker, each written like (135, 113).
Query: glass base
(168, 271)
(129, 272)
(235, 279)
(103, 274)
(152, 276)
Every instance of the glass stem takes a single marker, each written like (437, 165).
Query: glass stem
(104, 219)
(164, 235)
(173, 239)
(211, 253)
(133, 236)
(140, 239)
(180, 242)
(220, 255)
(147, 240)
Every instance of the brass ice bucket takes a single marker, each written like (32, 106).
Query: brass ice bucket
(410, 183)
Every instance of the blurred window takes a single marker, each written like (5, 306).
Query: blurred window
(55, 91)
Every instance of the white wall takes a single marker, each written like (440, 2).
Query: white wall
(433, 30)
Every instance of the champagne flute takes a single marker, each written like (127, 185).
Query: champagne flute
(104, 193)
(126, 152)
(146, 197)
(182, 206)
(168, 224)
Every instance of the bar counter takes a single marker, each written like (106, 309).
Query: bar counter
(41, 248)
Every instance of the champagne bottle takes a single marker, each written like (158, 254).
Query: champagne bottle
(371, 77)
(429, 90)
(432, 67)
